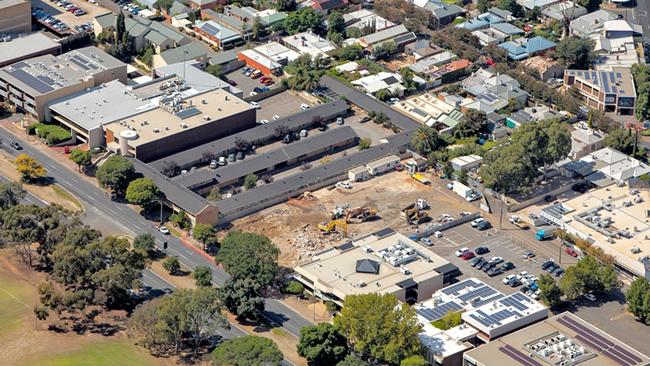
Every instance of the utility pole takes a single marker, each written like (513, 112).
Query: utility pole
(161, 211)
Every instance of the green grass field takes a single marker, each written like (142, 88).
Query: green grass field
(107, 353)
(14, 303)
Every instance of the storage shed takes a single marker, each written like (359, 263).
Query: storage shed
(383, 165)
(358, 174)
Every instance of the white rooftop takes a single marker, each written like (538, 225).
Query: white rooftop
(308, 43)
(382, 80)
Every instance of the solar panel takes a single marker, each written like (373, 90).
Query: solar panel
(439, 312)
(588, 331)
(518, 356)
(509, 301)
(453, 289)
(590, 343)
(605, 82)
(627, 354)
(80, 59)
(186, 113)
(19, 65)
(79, 63)
(617, 359)
(46, 79)
(32, 82)
(483, 291)
(487, 300)
(480, 320)
(210, 29)
(614, 90)
(616, 352)
(611, 77)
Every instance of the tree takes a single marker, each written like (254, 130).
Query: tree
(511, 6)
(120, 28)
(214, 70)
(143, 192)
(285, 5)
(170, 168)
(214, 195)
(203, 315)
(294, 287)
(335, 22)
(621, 140)
(588, 276)
(41, 313)
(414, 361)
(449, 320)
(472, 124)
(10, 195)
(350, 53)
(250, 181)
(383, 95)
(203, 276)
(29, 169)
(550, 292)
(322, 344)
(483, 6)
(145, 243)
(81, 157)
(115, 174)
(257, 30)
(248, 255)
(576, 53)
(302, 20)
(377, 327)
(243, 297)
(180, 219)
(247, 351)
(426, 140)
(365, 144)
(638, 299)
(407, 78)
(172, 265)
(385, 50)
(206, 234)
(353, 360)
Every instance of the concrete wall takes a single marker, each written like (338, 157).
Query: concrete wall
(16, 18)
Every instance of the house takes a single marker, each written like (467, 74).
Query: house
(566, 9)
(326, 6)
(606, 90)
(530, 114)
(308, 43)
(366, 18)
(491, 89)
(495, 126)
(398, 34)
(192, 51)
(585, 141)
(503, 14)
(591, 24)
(490, 36)
(247, 14)
(178, 8)
(452, 71)
(523, 48)
(269, 58)
(381, 81)
(545, 68)
(206, 4)
(443, 13)
(532, 4)
(616, 45)
(224, 37)
(149, 4)
(144, 32)
(432, 63)
(420, 49)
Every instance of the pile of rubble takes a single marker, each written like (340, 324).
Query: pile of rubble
(308, 240)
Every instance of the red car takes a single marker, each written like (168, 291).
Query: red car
(269, 82)
(264, 78)
(467, 255)
(571, 252)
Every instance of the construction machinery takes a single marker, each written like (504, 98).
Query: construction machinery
(334, 225)
(420, 178)
(517, 221)
(360, 214)
(414, 215)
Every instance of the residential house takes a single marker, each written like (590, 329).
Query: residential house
(522, 48)
(490, 36)
(247, 14)
(206, 4)
(391, 82)
(398, 34)
(606, 90)
(244, 27)
(481, 21)
(530, 114)
(503, 14)
(308, 43)
(420, 49)
(532, 4)
(269, 58)
(366, 18)
(144, 32)
(432, 63)
(188, 52)
(178, 8)
(545, 68)
(495, 126)
(450, 72)
(443, 13)
(326, 6)
(223, 37)
(591, 24)
(564, 10)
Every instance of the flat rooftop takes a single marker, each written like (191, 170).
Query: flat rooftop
(43, 74)
(345, 268)
(627, 225)
(562, 338)
(308, 43)
(26, 45)
(176, 116)
(616, 81)
(97, 107)
(195, 78)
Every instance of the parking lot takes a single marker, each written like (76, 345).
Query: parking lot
(248, 85)
(71, 20)
(283, 104)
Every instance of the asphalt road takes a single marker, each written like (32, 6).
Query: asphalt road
(99, 202)
(29, 199)
(641, 15)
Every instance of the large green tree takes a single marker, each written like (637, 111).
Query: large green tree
(243, 297)
(10, 195)
(472, 124)
(426, 140)
(247, 351)
(146, 243)
(143, 192)
(322, 344)
(81, 157)
(576, 52)
(115, 174)
(249, 255)
(378, 326)
(550, 292)
(206, 234)
(511, 6)
(302, 20)
(588, 276)
(638, 299)
(202, 276)
(352, 360)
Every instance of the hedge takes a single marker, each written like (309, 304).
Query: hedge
(53, 134)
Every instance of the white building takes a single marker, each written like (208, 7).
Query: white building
(308, 43)
(381, 81)
(467, 162)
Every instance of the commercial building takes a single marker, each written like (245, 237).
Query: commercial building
(269, 58)
(202, 180)
(32, 84)
(617, 46)
(194, 78)
(15, 16)
(28, 46)
(606, 90)
(564, 339)
(308, 43)
(223, 36)
(467, 162)
(384, 262)
(179, 124)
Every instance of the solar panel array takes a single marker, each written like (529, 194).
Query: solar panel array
(207, 27)
(31, 81)
(439, 311)
(483, 291)
(455, 289)
(518, 356)
(600, 344)
(188, 112)
(488, 97)
(493, 319)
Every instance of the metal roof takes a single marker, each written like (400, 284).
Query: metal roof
(256, 163)
(254, 135)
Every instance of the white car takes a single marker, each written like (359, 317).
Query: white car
(255, 104)
(460, 251)
(495, 259)
(264, 121)
(163, 230)
(276, 117)
(506, 279)
(304, 106)
(477, 221)
(472, 197)
(450, 185)
(589, 297)
(252, 94)
(522, 275)
(344, 184)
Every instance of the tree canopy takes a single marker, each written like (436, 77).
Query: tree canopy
(302, 20)
(638, 300)
(81, 157)
(322, 344)
(206, 234)
(576, 53)
(202, 276)
(248, 255)
(247, 351)
(145, 243)
(588, 276)
(143, 192)
(10, 195)
(29, 169)
(115, 174)
(427, 140)
(550, 292)
(377, 327)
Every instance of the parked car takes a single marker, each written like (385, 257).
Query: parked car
(547, 263)
(256, 105)
(481, 250)
(276, 117)
(163, 230)
(559, 271)
(484, 225)
(571, 252)
(232, 82)
(495, 260)
(339, 120)
(475, 261)
(528, 254)
(304, 106)
(507, 266)
(506, 279)
(427, 242)
(467, 255)
(514, 282)
(462, 250)
(255, 74)
(589, 297)
(476, 221)
(488, 266)
(15, 145)
(495, 271)
(344, 184)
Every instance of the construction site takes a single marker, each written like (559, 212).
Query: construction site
(332, 215)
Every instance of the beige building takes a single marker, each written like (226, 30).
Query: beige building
(15, 16)
(31, 85)
(384, 262)
(564, 339)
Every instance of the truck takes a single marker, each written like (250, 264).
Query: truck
(545, 232)
(462, 190)
(421, 178)
(517, 221)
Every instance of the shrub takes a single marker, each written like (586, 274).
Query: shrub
(53, 134)
(294, 287)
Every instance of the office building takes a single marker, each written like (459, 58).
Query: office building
(15, 16)
(28, 46)
(606, 90)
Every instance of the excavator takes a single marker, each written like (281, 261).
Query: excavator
(354, 215)
(332, 226)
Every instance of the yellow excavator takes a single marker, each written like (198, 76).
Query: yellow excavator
(334, 225)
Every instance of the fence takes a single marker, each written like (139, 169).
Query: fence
(266, 94)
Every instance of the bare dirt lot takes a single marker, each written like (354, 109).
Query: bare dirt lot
(293, 225)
